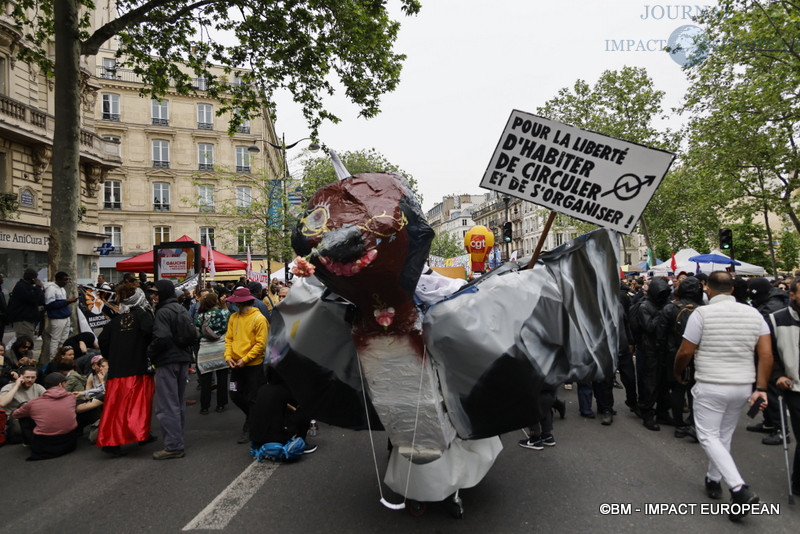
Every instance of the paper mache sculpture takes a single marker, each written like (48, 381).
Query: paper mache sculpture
(367, 340)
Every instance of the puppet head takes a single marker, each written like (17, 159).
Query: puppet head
(368, 240)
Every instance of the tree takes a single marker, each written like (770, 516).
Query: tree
(447, 245)
(318, 171)
(294, 45)
(744, 116)
(623, 104)
(749, 244)
(789, 251)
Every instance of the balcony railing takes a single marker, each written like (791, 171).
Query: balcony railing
(160, 206)
(113, 205)
(161, 164)
(160, 122)
(205, 166)
(243, 129)
(111, 116)
(243, 169)
(205, 125)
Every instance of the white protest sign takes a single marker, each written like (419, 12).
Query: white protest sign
(174, 266)
(580, 173)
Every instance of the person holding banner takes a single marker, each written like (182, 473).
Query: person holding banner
(212, 321)
(127, 410)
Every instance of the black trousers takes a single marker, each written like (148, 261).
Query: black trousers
(276, 417)
(247, 379)
(791, 401)
(205, 380)
(627, 374)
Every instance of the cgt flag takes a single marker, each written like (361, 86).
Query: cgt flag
(249, 268)
(211, 268)
(673, 265)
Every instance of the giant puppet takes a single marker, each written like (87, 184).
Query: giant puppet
(443, 371)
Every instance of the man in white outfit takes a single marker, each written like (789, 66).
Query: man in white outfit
(721, 337)
(56, 304)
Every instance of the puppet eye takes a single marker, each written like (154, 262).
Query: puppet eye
(315, 223)
(385, 225)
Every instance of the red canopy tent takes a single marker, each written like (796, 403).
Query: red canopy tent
(143, 263)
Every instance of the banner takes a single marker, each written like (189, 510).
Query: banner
(94, 304)
(583, 174)
(211, 356)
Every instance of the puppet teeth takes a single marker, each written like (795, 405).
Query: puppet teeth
(349, 269)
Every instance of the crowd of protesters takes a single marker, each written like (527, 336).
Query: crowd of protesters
(108, 387)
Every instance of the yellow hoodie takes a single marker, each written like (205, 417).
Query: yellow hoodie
(246, 338)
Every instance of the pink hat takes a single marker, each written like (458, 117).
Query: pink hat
(241, 294)
(96, 358)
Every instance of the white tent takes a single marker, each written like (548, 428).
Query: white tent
(682, 259)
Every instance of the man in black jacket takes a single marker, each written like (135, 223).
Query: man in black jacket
(25, 304)
(646, 319)
(171, 361)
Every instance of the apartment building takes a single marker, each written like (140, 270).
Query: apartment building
(26, 149)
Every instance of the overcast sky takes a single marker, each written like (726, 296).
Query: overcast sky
(470, 62)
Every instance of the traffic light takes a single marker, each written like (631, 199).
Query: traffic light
(725, 239)
(507, 232)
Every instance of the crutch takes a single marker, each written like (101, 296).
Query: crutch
(785, 446)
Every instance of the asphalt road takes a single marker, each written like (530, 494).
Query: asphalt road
(218, 487)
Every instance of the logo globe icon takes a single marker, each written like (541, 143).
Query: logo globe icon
(684, 45)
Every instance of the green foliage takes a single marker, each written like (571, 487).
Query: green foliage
(447, 245)
(623, 104)
(318, 172)
(301, 46)
(788, 251)
(749, 244)
(743, 130)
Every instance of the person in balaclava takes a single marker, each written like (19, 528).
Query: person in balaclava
(647, 318)
(674, 317)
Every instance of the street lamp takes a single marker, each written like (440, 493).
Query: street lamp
(283, 147)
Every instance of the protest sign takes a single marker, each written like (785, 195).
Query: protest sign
(94, 303)
(580, 173)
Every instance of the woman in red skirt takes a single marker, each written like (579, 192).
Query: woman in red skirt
(127, 411)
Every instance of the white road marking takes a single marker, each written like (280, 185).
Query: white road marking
(227, 504)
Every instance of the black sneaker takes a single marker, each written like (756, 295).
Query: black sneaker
(713, 489)
(761, 427)
(309, 448)
(533, 443)
(741, 497)
(606, 418)
(548, 440)
(776, 438)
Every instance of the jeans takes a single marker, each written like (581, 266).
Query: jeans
(717, 409)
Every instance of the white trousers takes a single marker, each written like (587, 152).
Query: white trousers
(59, 332)
(717, 409)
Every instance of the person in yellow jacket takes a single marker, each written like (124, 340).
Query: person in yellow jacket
(245, 347)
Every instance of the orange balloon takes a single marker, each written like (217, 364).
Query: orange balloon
(478, 241)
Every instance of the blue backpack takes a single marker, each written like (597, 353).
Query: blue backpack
(275, 452)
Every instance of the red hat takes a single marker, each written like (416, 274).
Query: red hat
(241, 294)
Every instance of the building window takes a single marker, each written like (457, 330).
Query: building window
(244, 126)
(243, 239)
(205, 199)
(201, 83)
(160, 235)
(205, 114)
(207, 236)
(160, 112)
(114, 236)
(463, 222)
(242, 159)
(112, 195)
(110, 107)
(109, 68)
(161, 154)
(3, 76)
(160, 196)
(205, 157)
(243, 198)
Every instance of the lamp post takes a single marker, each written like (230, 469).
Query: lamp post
(283, 147)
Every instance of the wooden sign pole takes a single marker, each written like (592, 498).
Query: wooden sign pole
(540, 244)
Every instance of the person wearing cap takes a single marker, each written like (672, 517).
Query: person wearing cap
(172, 370)
(256, 290)
(54, 419)
(24, 304)
(245, 347)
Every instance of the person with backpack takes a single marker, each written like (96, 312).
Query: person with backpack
(170, 352)
(26, 303)
(673, 322)
(645, 320)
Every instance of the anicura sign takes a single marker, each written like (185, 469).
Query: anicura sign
(22, 239)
